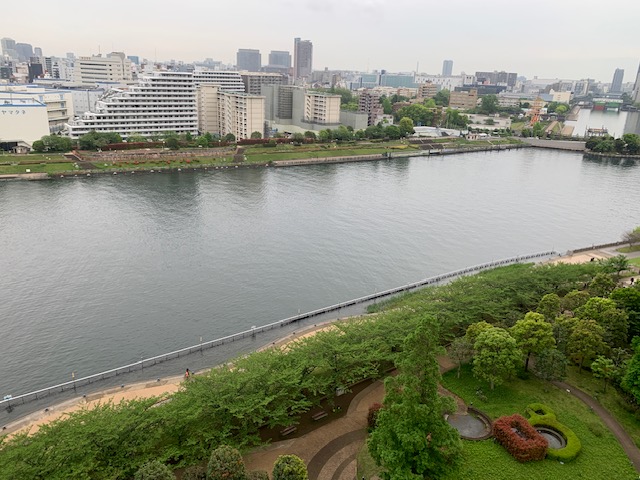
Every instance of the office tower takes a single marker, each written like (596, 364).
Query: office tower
(37, 52)
(302, 58)
(616, 84)
(248, 59)
(9, 47)
(447, 68)
(278, 58)
(25, 51)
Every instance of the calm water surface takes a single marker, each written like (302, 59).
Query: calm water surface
(99, 272)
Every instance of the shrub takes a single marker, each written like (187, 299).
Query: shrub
(519, 438)
(289, 467)
(542, 416)
(372, 416)
(258, 475)
(226, 463)
(154, 470)
(195, 472)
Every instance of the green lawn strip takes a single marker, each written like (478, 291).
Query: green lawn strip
(634, 248)
(37, 168)
(267, 157)
(601, 456)
(35, 157)
(367, 467)
(635, 261)
(612, 400)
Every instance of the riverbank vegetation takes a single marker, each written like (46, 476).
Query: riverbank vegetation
(268, 391)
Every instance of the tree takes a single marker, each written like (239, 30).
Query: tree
(136, 138)
(419, 114)
(173, 143)
(460, 350)
(392, 132)
(601, 285)
(454, 119)
(406, 126)
(533, 335)
(631, 379)
(442, 98)
(549, 306)
(256, 135)
(603, 367)
(632, 236)
(632, 143)
(310, 134)
(476, 329)
(387, 108)
(563, 327)
(154, 470)
(230, 137)
(488, 104)
(586, 341)
(605, 312)
(615, 265)
(226, 463)
(628, 299)
(551, 364)
(574, 300)
(289, 467)
(412, 440)
(298, 138)
(497, 355)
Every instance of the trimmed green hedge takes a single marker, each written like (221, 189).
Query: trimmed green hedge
(541, 415)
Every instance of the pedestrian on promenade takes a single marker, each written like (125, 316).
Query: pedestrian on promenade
(187, 374)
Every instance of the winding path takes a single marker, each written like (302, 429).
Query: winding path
(612, 424)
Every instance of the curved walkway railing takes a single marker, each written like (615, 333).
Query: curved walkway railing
(73, 384)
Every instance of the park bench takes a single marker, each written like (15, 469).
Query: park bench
(319, 415)
(288, 430)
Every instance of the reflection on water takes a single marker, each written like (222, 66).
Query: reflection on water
(616, 123)
(99, 272)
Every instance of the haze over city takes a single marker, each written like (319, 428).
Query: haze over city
(547, 39)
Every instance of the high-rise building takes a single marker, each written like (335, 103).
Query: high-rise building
(636, 87)
(248, 59)
(616, 83)
(447, 68)
(161, 102)
(25, 51)
(9, 47)
(302, 59)
(279, 58)
(37, 52)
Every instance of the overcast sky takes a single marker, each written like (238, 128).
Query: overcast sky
(549, 39)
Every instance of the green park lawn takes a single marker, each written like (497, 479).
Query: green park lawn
(601, 456)
(37, 168)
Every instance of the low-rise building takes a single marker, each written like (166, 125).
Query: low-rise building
(59, 103)
(463, 100)
(427, 90)
(23, 119)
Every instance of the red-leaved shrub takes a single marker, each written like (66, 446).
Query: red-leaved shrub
(520, 439)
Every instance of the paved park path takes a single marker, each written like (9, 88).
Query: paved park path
(612, 424)
(330, 451)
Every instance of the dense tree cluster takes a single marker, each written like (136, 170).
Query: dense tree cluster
(629, 144)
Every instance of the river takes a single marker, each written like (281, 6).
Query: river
(102, 271)
(616, 123)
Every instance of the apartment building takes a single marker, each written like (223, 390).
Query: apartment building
(427, 90)
(369, 103)
(253, 81)
(321, 108)
(228, 81)
(229, 112)
(161, 102)
(114, 68)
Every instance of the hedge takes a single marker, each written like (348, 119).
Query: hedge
(519, 438)
(541, 415)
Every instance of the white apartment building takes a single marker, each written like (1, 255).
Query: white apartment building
(22, 119)
(229, 112)
(227, 81)
(59, 103)
(114, 68)
(161, 102)
(321, 108)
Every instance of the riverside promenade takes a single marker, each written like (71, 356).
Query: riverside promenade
(567, 145)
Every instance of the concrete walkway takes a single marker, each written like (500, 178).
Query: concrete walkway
(612, 424)
(330, 451)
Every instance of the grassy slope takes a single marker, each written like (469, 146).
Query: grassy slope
(601, 456)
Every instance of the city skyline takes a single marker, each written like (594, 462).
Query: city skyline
(553, 40)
